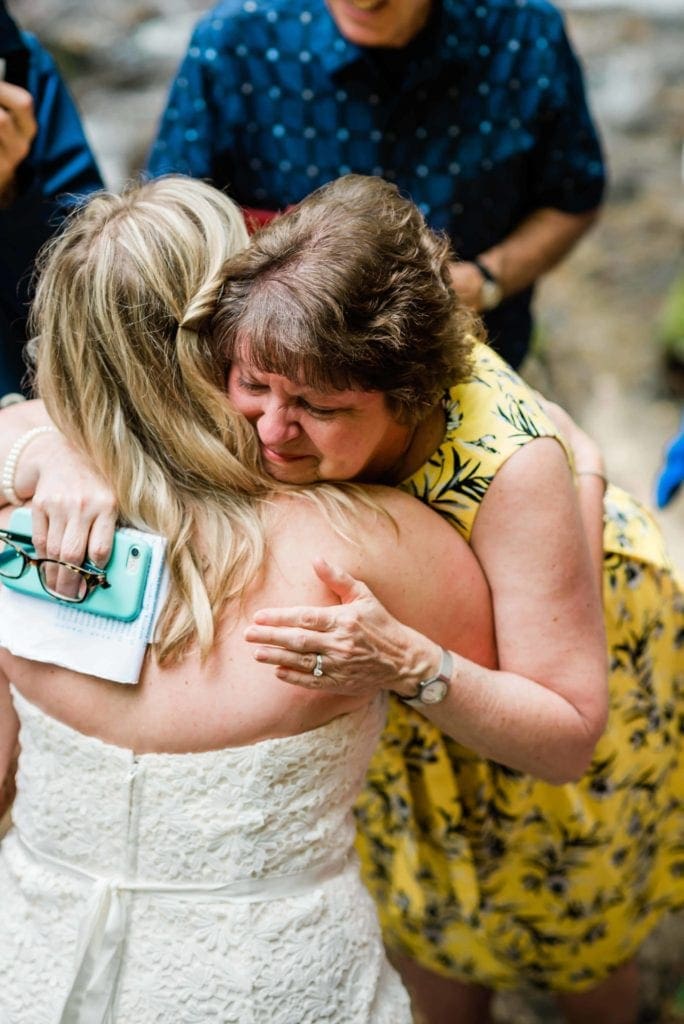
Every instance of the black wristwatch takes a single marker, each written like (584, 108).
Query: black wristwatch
(433, 690)
(491, 292)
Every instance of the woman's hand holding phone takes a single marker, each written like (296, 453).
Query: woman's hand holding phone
(123, 592)
(74, 511)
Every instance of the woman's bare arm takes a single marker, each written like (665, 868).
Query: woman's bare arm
(74, 513)
(15, 420)
(530, 540)
(541, 711)
(590, 471)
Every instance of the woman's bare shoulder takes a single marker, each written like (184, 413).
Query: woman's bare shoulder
(372, 520)
(406, 553)
(415, 563)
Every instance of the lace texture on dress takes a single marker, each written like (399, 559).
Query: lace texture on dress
(90, 815)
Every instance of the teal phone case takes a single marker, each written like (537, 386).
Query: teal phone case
(126, 570)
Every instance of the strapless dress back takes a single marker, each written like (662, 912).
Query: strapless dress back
(187, 888)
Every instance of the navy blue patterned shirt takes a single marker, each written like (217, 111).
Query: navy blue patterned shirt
(481, 119)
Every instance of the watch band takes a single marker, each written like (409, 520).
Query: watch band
(491, 292)
(485, 271)
(428, 689)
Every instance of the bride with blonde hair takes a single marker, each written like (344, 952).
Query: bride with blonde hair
(181, 850)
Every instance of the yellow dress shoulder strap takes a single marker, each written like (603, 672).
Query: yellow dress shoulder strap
(489, 416)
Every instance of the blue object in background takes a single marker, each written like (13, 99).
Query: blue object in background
(672, 474)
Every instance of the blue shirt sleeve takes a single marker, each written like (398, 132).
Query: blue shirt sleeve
(672, 474)
(569, 159)
(59, 169)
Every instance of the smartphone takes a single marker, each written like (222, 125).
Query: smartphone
(127, 571)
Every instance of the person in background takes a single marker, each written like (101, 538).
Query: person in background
(45, 162)
(477, 110)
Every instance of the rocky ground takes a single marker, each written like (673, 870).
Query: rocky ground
(600, 310)
(598, 350)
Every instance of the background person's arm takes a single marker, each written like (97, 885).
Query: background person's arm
(18, 128)
(566, 180)
(45, 166)
(531, 250)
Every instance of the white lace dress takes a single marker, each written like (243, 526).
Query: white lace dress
(190, 888)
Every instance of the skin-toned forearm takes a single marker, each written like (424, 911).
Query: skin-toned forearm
(16, 419)
(500, 714)
(14, 422)
(590, 472)
(74, 512)
(18, 129)
(591, 487)
(535, 246)
(504, 716)
(543, 707)
(531, 250)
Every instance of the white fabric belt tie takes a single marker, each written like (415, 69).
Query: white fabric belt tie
(103, 929)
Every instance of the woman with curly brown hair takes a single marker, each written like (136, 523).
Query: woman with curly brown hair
(485, 875)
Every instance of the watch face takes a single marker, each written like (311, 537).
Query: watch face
(433, 692)
(490, 294)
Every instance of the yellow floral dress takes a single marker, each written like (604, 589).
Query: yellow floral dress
(488, 875)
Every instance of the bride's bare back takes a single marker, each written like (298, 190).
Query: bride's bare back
(424, 572)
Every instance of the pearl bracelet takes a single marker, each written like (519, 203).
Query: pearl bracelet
(10, 468)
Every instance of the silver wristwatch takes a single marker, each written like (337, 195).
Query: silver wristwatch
(433, 690)
(491, 292)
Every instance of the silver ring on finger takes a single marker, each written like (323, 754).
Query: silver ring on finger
(317, 670)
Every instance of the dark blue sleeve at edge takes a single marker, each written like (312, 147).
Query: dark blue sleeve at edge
(59, 169)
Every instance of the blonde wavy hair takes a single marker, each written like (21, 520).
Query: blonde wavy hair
(127, 370)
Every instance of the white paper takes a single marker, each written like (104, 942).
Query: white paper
(47, 631)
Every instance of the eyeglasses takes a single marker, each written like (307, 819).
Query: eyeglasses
(66, 582)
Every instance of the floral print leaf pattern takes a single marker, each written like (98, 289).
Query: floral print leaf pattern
(488, 874)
